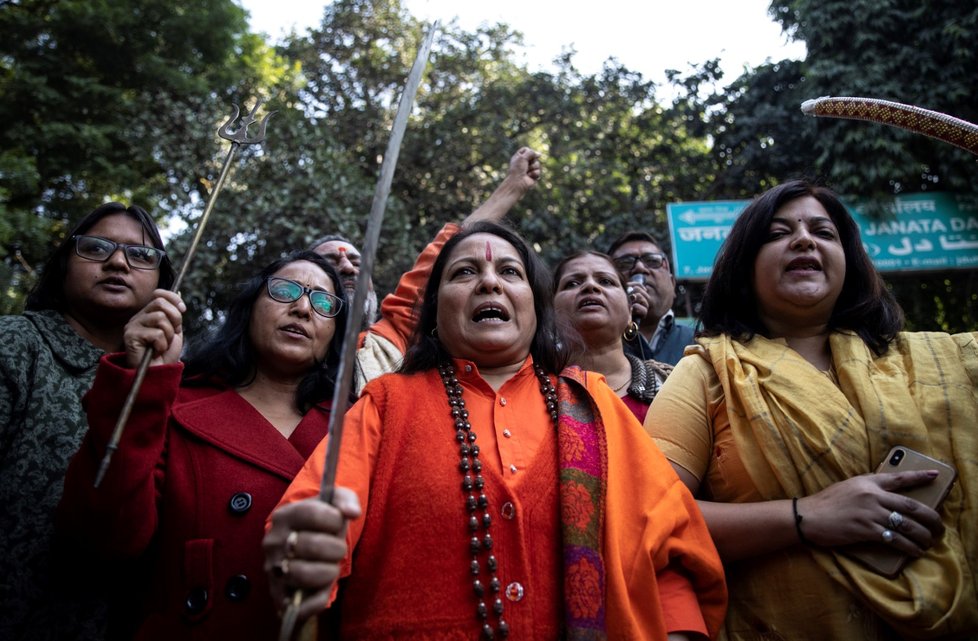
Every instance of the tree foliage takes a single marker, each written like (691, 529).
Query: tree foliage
(613, 155)
(123, 100)
(107, 100)
(920, 53)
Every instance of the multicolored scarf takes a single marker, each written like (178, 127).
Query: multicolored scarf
(583, 459)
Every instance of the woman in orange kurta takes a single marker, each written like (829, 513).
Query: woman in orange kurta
(476, 520)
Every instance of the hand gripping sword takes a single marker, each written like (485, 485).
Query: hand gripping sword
(344, 377)
(955, 131)
(238, 138)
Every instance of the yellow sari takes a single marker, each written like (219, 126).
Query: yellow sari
(796, 435)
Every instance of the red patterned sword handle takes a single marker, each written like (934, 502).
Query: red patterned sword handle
(949, 129)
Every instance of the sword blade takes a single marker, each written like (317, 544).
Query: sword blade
(344, 376)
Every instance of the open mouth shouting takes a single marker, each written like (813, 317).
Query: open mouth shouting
(804, 264)
(490, 313)
(590, 302)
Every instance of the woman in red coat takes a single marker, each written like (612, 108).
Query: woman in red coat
(210, 447)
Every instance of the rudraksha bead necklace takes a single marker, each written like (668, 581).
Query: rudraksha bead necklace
(472, 481)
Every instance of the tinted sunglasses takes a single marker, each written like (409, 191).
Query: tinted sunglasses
(284, 290)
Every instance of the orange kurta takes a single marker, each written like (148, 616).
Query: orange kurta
(383, 345)
(662, 571)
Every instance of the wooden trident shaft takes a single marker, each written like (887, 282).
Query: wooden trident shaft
(237, 137)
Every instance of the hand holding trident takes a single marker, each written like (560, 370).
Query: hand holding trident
(237, 137)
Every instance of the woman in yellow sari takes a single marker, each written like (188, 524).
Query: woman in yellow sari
(799, 385)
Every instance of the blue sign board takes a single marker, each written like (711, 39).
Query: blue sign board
(922, 232)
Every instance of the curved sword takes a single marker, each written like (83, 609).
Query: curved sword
(344, 377)
(934, 124)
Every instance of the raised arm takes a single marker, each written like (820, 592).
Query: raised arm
(383, 345)
(524, 172)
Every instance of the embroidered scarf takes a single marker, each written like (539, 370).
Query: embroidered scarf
(583, 462)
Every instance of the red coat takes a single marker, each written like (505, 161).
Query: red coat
(196, 474)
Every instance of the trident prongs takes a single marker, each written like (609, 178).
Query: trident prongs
(240, 136)
(237, 138)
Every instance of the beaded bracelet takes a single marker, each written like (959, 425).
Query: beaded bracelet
(798, 519)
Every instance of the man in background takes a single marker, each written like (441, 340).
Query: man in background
(383, 341)
(652, 291)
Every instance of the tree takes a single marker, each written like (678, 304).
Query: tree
(760, 135)
(108, 101)
(614, 156)
(911, 52)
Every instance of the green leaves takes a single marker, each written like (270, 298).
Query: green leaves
(123, 100)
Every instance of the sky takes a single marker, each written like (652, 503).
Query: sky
(648, 36)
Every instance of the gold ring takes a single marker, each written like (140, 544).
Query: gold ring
(291, 541)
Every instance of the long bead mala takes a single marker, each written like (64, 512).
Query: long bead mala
(472, 481)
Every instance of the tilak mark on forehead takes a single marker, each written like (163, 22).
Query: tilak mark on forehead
(488, 252)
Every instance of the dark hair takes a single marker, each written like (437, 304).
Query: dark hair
(559, 270)
(640, 236)
(570, 338)
(228, 356)
(426, 351)
(48, 293)
(865, 306)
(325, 239)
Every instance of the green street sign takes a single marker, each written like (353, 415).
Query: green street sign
(921, 232)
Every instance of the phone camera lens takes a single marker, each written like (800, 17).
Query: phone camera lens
(897, 457)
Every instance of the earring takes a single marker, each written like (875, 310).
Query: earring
(631, 331)
(434, 332)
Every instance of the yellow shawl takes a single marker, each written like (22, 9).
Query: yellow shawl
(797, 434)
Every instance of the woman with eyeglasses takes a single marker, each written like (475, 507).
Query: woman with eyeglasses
(209, 449)
(102, 273)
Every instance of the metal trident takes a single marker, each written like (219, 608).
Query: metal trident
(237, 137)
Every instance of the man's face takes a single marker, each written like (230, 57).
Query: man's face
(660, 284)
(346, 259)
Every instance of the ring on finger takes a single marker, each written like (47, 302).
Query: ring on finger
(887, 536)
(895, 520)
(281, 568)
(291, 541)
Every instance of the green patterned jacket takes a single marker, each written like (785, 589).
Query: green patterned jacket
(45, 369)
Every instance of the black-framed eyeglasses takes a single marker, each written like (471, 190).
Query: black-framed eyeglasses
(651, 260)
(101, 249)
(284, 290)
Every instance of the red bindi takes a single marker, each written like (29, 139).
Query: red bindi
(488, 252)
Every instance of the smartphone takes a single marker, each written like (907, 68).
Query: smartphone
(880, 557)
